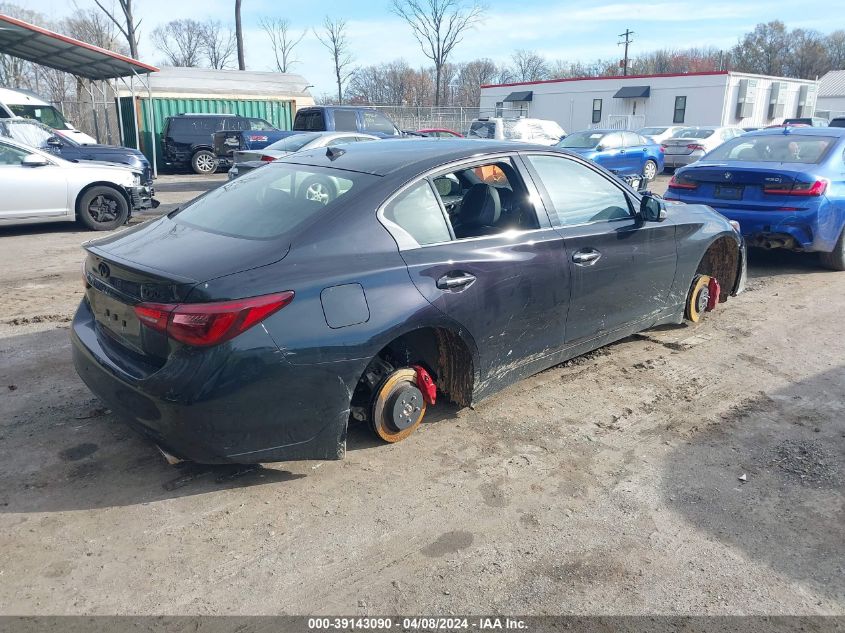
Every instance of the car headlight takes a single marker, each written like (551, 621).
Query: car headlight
(136, 179)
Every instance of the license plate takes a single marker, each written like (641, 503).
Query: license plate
(116, 316)
(729, 192)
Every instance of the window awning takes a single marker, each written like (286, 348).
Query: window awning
(526, 95)
(633, 92)
(36, 44)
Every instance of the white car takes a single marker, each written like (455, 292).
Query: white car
(659, 133)
(37, 186)
(541, 131)
(29, 105)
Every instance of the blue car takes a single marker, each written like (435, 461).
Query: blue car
(785, 187)
(623, 153)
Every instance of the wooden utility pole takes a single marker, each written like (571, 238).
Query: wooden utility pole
(627, 35)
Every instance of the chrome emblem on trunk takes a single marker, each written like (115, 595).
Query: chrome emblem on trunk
(104, 270)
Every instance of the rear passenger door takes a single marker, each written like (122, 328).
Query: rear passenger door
(507, 285)
(621, 268)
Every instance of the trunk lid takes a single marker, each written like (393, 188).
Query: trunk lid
(680, 146)
(161, 262)
(729, 186)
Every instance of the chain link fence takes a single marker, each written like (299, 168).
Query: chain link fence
(99, 122)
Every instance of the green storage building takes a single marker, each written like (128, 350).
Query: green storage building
(266, 95)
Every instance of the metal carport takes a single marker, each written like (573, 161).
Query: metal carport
(60, 52)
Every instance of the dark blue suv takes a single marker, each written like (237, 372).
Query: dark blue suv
(344, 119)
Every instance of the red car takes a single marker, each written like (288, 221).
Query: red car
(440, 133)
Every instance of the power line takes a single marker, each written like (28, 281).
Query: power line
(627, 41)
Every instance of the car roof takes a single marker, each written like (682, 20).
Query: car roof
(799, 131)
(20, 96)
(413, 155)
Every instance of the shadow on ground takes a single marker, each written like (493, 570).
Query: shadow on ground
(767, 480)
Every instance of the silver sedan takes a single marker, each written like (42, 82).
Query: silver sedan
(247, 160)
(691, 143)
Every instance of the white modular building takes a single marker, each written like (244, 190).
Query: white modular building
(831, 102)
(706, 98)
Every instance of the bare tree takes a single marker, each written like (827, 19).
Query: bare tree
(239, 36)
(128, 25)
(89, 25)
(836, 49)
(529, 66)
(438, 26)
(283, 41)
(333, 37)
(217, 44)
(181, 41)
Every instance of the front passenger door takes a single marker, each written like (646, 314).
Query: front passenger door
(30, 192)
(621, 268)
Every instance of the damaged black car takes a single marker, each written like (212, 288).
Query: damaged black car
(370, 282)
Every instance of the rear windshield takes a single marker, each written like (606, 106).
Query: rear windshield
(777, 148)
(482, 129)
(693, 132)
(648, 131)
(295, 142)
(48, 115)
(581, 140)
(271, 201)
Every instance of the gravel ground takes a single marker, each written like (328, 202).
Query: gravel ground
(686, 470)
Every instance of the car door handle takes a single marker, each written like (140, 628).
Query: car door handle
(462, 280)
(586, 257)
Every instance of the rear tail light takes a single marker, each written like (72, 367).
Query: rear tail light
(679, 182)
(662, 149)
(695, 147)
(816, 188)
(267, 159)
(205, 324)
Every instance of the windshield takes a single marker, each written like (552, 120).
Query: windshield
(293, 143)
(48, 115)
(694, 132)
(271, 201)
(651, 131)
(780, 148)
(581, 140)
(26, 132)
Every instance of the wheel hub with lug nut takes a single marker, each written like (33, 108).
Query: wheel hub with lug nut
(702, 300)
(405, 407)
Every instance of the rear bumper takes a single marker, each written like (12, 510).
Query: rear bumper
(239, 402)
(796, 230)
(680, 160)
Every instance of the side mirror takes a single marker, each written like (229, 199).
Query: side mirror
(600, 147)
(652, 208)
(34, 160)
(54, 141)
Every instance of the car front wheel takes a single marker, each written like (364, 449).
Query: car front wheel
(102, 209)
(650, 170)
(204, 162)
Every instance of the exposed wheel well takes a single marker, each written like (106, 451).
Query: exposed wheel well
(722, 262)
(110, 185)
(440, 350)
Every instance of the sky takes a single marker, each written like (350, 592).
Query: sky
(565, 29)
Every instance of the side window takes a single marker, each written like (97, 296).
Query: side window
(680, 110)
(260, 125)
(316, 122)
(631, 139)
(612, 141)
(486, 199)
(345, 121)
(417, 211)
(596, 110)
(377, 122)
(577, 193)
(11, 156)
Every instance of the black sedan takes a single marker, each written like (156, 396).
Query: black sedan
(255, 324)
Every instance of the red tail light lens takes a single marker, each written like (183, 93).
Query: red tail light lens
(662, 149)
(797, 189)
(695, 146)
(267, 159)
(206, 324)
(679, 182)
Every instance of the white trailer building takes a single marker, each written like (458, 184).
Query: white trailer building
(831, 102)
(708, 98)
